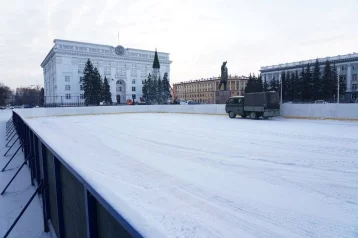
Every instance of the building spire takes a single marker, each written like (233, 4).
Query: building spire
(156, 64)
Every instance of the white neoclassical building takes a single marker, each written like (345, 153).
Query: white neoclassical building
(125, 68)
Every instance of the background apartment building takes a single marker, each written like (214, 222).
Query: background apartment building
(203, 90)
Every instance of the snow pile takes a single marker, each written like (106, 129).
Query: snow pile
(211, 176)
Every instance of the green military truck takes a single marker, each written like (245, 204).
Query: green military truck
(254, 105)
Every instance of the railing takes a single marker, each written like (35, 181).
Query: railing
(70, 206)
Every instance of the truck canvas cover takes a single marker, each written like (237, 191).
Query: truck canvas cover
(259, 99)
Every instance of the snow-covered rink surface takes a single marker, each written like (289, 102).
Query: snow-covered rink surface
(211, 176)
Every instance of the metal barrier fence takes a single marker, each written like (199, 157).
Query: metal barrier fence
(64, 101)
(70, 206)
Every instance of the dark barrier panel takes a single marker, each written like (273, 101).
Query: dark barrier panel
(107, 226)
(52, 192)
(74, 211)
(69, 203)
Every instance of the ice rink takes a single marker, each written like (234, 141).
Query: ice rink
(211, 176)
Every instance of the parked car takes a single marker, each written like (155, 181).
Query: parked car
(320, 102)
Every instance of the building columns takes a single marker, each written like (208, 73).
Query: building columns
(349, 78)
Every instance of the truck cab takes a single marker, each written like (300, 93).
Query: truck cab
(235, 106)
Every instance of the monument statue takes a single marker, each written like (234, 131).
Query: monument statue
(224, 76)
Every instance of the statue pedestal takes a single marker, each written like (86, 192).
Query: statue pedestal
(222, 96)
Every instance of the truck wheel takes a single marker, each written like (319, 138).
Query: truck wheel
(232, 115)
(253, 115)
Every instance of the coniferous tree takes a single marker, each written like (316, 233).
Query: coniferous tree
(145, 90)
(307, 84)
(97, 86)
(342, 82)
(317, 92)
(288, 87)
(150, 88)
(328, 82)
(166, 88)
(160, 91)
(301, 85)
(42, 97)
(266, 86)
(275, 85)
(284, 86)
(155, 90)
(88, 74)
(250, 85)
(106, 93)
(297, 89)
(259, 84)
(292, 88)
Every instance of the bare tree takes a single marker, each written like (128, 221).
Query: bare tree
(5, 94)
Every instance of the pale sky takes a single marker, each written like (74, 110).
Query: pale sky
(198, 34)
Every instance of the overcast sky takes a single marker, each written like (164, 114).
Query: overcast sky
(198, 34)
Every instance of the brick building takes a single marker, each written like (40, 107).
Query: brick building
(203, 90)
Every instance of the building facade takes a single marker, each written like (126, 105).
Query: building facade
(347, 67)
(203, 90)
(125, 69)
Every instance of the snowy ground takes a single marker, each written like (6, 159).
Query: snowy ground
(31, 223)
(211, 176)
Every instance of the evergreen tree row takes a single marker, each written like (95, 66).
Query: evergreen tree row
(156, 90)
(312, 84)
(306, 86)
(95, 91)
(254, 84)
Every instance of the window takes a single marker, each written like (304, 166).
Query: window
(67, 87)
(82, 96)
(354, 86)
(120, 69)
(235, 101)
(68, 96)
(133, 72)
(354, 77)
(344, 67)
(133, 81)
(81, 87)
(107, 68)
(67, 78)
(81, 79)
(133, 89)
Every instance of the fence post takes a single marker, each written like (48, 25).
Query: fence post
(59, 201)
(45, 195)
(91, 214)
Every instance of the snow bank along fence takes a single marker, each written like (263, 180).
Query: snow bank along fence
(321, 111)
(213, 109)
(325, 111)
(70, 206)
